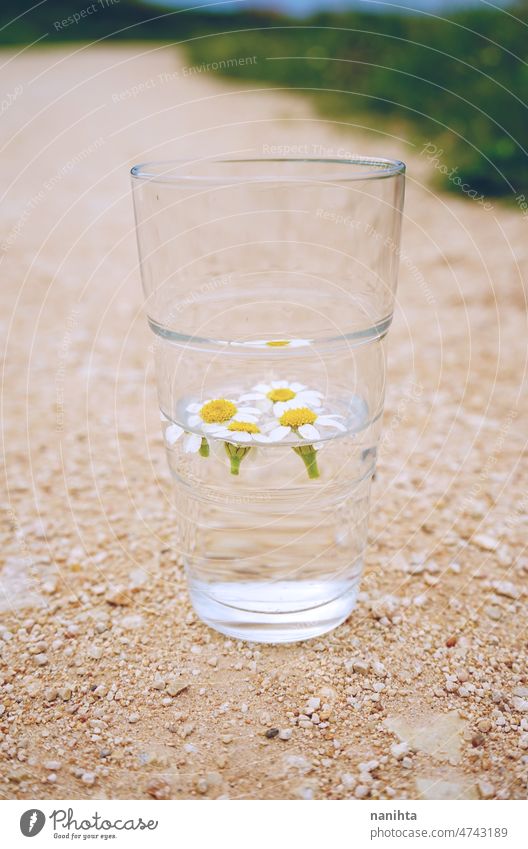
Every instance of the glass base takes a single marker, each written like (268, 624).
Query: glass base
(281, 612)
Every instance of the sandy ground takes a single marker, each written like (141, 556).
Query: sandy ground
(424, 690)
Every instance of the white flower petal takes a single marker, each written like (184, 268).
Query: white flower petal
(192, 443)
(279, 384)
(308, 399)
(192, 421)
(252, 396)
(261, 437)
(243, 417)
(328, 421)
(279, 433)
(173, 433)
(194, 408)
(249, 410)
(262, 387)
(297, 387)
(240, 436)
(212, 428)
(280, 407)
(297, 343)
(310, 432)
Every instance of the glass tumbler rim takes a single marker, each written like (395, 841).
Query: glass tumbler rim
(366, 168)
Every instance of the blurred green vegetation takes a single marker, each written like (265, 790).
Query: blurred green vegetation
(458, 83)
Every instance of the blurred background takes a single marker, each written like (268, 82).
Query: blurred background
(449, 73)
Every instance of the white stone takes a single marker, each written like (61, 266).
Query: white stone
(361, 791)
(485, 789)
(485, 542)
(399, 750)
(312, 705)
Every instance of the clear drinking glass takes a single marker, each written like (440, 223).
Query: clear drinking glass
(270, 287)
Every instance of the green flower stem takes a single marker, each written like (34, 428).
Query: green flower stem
(236, 454)
(308, 455)
(204, 448)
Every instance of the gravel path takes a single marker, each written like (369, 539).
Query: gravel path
(109, 685)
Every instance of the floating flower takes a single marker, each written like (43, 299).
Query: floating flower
(236, 432)
(240, 431)
(222, 417)
(282, 395)
(219, 411)
(192, 444)
(303, 421)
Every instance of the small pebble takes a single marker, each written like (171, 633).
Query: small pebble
(312, 705)
(361, 791)
(485, 542)
(486, 789)
(158, 788)
(399, 750)
(175, 687)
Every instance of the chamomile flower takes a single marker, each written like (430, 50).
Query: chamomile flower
(281, 395)
(301, 421)
(240, 431)
(192, 443)
(236, 432)
(304, 422)
(216, 412)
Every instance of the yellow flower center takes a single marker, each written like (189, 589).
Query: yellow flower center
(244, 427)
(278, 343)
(218, 411)
(281, 395)
(298, 417)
